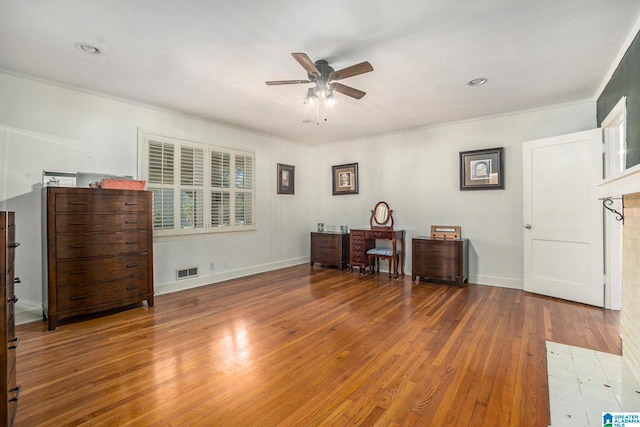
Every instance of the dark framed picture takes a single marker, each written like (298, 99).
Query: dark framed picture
(286, 179)
(345, 179)
(482, 169)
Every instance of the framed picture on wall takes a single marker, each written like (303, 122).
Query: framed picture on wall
(286, 179)
(345, 179)
(482, 169)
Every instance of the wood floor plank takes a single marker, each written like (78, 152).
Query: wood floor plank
(307, 346)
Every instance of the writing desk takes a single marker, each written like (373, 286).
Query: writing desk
(361, 240)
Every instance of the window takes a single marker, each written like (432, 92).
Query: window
(198, 188)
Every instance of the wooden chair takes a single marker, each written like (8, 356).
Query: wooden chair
(376, 254)
(382, 219)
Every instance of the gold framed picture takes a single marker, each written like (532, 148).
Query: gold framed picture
(345, 179)
(286, 179)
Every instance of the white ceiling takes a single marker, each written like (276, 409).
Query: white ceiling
(210, 58)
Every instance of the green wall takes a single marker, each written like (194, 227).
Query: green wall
(625, 82)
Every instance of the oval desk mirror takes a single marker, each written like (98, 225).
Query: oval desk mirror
(381, 217)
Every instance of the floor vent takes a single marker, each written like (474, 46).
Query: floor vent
(185, 273)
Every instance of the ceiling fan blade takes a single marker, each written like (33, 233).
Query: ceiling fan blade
(286, 82)
(354, 70)
(348, 90)
(306, 63)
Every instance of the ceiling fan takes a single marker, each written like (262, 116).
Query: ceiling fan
(325, 78)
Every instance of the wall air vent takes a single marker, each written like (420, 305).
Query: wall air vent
(185, 273)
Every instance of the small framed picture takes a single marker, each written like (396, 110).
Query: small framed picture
(345, 179)
(482, 169)
(286, 179)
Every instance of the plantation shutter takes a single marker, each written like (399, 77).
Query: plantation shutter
(191, 187)
(198, 188)
(220, 189)
(244, 190)
(161, 184)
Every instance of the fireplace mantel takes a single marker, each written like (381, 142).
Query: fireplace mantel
(627, 182)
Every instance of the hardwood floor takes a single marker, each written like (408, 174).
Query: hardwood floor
(307, 346)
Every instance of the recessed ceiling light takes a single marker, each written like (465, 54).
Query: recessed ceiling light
(87, 48)
(477, 82)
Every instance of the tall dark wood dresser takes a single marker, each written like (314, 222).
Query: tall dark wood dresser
(99, 251)
(9, 390)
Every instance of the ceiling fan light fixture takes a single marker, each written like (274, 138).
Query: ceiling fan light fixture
(310, 99)
(331, 100)
(477, 82)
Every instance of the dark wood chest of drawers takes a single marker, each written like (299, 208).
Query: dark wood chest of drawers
(360, 244)
(330, 249)
(99, 247)
(440, 260)
(9, 390)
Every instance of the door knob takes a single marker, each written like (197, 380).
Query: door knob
(527, 226)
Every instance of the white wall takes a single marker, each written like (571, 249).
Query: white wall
(417, 173)
(44, 126)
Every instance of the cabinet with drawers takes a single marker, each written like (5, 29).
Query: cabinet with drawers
(99, 251)
(330, 249)
(359, 247)
(440, 260)
(9, 390)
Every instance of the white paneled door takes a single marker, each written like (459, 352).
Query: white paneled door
(563, 230)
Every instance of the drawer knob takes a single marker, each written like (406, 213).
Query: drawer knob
(14, 245)
(13, 299)
(17, 280)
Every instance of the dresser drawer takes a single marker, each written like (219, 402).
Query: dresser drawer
(359, 259)
(73, 272)
(357, 235)
(319, 240)
(376, 234)
(97, 244)
(91, 296)
(106, 223)
(438, 269)
(358, 248)
(437, 250)
(326, 256)
(87, 202)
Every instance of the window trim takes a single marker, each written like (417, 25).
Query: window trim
(144, 138)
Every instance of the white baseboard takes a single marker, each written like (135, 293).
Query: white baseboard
(501, 282)
(28, 311)
(181, 285)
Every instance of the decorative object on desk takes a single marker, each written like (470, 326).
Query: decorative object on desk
(121, 184)
(345, 179)
(330, 228)
(344, 229)
(446, 232)
(320, 227)
(482, 169)
(286, 179)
